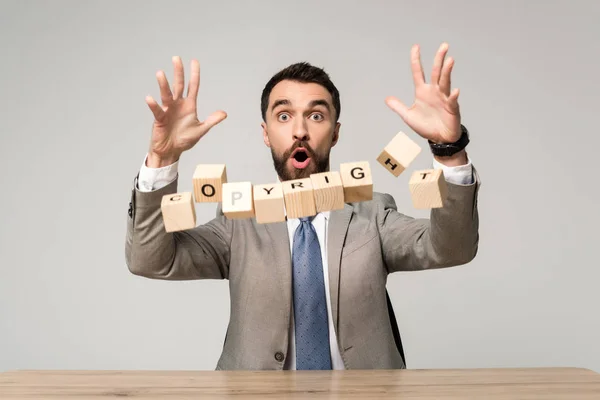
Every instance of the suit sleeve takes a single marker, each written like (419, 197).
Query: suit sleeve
(450, 237)
(199, 253)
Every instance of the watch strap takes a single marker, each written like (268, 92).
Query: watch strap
(448, 149)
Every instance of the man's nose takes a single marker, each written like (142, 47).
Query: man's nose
(300, 131)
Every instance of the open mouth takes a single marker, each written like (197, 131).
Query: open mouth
(300, 158)
(300, 155)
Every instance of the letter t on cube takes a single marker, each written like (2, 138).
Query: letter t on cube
(428, 188)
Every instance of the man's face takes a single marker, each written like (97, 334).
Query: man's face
(300, 129)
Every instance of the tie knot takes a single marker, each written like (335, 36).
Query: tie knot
(306, 219)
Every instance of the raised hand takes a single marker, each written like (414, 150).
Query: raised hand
(435, 113)
(176, 127)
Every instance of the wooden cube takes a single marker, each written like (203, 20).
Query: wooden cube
(357, 181)
(328, 191)
(398, 154)
(208, 182)
(428, 188)
(269, 205)
(178, 211)
(237, 200)
(299, 198)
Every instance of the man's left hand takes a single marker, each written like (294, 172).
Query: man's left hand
(435, 113)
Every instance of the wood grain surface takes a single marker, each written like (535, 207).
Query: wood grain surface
(525, 383)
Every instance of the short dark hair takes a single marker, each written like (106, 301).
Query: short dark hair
(305, 73)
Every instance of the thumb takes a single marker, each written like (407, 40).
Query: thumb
(453, 99)
(397, 106)
(213, 119)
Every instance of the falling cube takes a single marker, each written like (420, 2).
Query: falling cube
(299, 198)
(178, 211)
(357, 181)
(398, 154)
(428, 188)
(269, 205)
(208, 182)
(237, 200)
(328, 191)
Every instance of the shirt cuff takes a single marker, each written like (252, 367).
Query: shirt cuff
(460, 175)
(150, 179)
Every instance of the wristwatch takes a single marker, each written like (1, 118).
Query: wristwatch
(448, 149)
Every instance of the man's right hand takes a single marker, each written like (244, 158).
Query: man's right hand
(176, 126)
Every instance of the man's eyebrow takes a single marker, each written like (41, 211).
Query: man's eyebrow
(312, 104)
(320, 102)
(281, 102)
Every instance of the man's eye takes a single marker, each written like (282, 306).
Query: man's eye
(283, 117)
(317, 117)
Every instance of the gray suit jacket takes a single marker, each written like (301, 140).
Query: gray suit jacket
(367, 241)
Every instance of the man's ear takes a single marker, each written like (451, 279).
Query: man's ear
(336, 134)
(265, 135)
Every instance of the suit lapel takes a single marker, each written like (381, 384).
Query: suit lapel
(278, 233)
(339, 221)
(338, 227)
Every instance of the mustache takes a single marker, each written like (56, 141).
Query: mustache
(297, 144)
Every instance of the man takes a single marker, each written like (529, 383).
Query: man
(308, 293)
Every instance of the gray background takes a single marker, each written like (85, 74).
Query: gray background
(75, 129)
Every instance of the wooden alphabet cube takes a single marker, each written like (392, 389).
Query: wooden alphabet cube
(299, 198)
(328, 191)
(237, 200)
(398, 154)
(357, 181)
(428, 188)
(208, 182)
(269, 205)
(178, 211)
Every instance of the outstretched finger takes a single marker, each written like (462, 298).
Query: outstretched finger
(165, 91)
(445, 81)
(438, 63)
(178, 84)
(155, 108)
(194, 83)
(417, 68)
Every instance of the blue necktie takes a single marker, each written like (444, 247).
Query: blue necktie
(310, 308)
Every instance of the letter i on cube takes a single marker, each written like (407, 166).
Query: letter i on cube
(328, 191)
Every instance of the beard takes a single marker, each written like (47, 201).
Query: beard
(319, 163)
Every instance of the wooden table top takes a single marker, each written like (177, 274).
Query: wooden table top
(508, 383)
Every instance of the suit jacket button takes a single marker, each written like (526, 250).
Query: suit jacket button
(279, 356)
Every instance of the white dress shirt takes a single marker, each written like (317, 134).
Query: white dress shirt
(150, 179)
